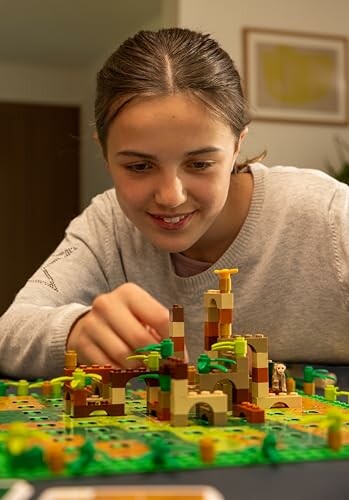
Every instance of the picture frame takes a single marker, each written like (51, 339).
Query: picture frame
(296, 77)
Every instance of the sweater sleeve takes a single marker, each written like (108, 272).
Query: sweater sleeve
(339, 225)
(34, 329)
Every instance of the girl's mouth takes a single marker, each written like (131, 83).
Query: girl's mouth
(174, 222)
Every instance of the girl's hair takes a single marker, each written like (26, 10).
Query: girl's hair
(170, 61)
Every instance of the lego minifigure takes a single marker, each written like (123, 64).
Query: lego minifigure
(279, 378)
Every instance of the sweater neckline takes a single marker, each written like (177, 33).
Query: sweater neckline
(239, 248)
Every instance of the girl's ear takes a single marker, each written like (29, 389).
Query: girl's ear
(97, 141)
(242, 137)
(238, 146)
(95, 137)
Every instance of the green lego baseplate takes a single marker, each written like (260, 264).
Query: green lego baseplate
(38, 441)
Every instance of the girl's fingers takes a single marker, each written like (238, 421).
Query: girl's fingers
(147, 309)
(122, 320)
(94, 355)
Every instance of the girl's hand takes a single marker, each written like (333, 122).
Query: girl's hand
(118, 323)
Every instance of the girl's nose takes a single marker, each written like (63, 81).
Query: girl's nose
(170, 193)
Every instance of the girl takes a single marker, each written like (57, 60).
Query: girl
(170, 119)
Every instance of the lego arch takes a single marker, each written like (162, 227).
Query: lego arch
(202, 411)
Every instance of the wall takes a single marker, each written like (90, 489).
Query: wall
(293, 144)
(40, 84)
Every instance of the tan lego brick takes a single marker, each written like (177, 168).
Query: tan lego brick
(223, 300)
(260, 359)
(292, 400)
(258, 343)
(118, 395)
(259, 389)
(176, 330)
(207, 381)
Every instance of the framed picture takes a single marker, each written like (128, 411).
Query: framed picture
(296, 77)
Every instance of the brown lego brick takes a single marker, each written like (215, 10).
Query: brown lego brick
(163, 414)
(211, 329)
(253, 413)
(177, 313)
(226, 315)
(260, 374)
(178, 344)
(119, 378)
(180, 371)
(111, 410)
(241, 395)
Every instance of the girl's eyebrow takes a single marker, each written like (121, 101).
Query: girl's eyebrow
(128, 152)
(139, 154)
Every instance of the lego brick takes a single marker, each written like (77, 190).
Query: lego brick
(118, 395)
(223, 300)
(253, 413)
(176, 330)
(260, 359)
(211, 329)
(176, 368)
(279, 400)
(163, 414)
(152, 394)
(260, 374)
(207, 381)
(241, 365)
(309, 388)
(259, 389)
(179, 420)
(258, 342)
(164, 399)
(119, 378)
(224, 331)
(178, 344)
(211, 314)
(225, 315)
(241, 395)
(177, 313)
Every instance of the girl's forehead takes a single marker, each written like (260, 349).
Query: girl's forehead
(170, 111)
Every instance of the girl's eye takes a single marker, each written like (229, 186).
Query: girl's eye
(201, 165)
(139, 167)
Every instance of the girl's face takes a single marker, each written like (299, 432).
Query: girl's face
(171, 164)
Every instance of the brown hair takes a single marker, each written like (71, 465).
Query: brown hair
(169, 61)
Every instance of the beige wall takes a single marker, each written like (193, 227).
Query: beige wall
(40, 84)
(301, 145)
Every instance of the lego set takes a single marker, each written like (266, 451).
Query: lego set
(234, 407)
